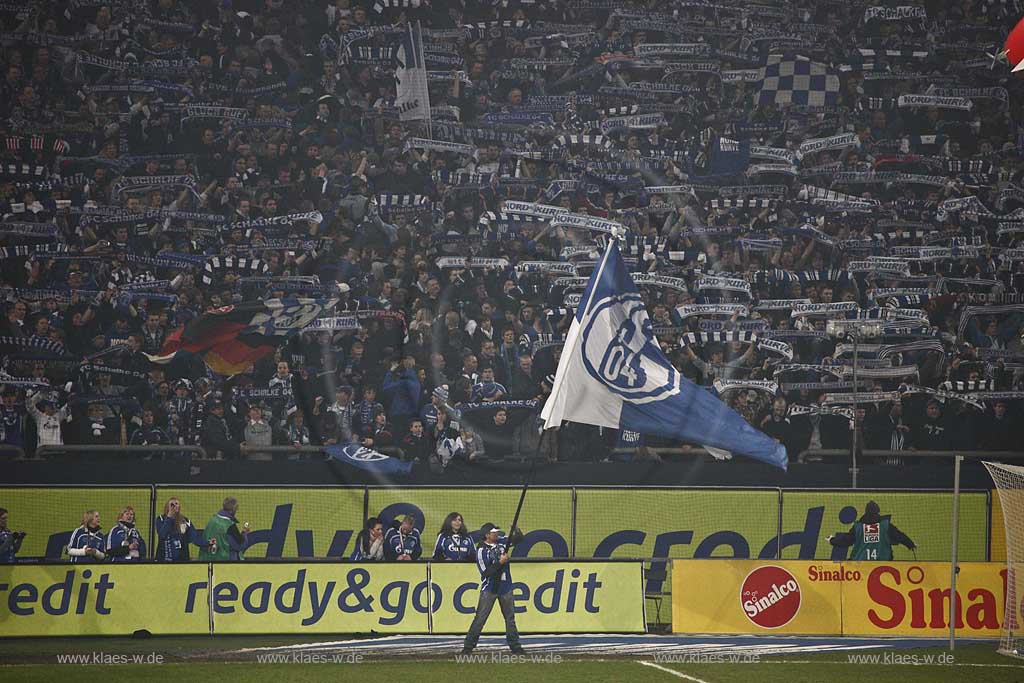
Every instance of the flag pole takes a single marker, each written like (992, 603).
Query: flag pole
(423, 65)
(522, 495)
(559, 375)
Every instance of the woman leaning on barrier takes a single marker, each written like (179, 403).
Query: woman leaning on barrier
(454, 541)
(175, 532)
(370, 542)
(124, 542)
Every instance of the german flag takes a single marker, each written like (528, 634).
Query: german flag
(231, 338)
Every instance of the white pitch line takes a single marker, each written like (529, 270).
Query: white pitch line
(675, 673)
(813, 661)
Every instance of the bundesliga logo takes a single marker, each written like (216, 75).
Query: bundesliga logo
(770, 596)
(872, 533)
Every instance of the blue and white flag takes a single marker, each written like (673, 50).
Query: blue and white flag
(791, 79)
(413, 99)
(612, 373)
(368, 459)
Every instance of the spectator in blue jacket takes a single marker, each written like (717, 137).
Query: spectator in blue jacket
(402, 541)
(487, 389)
(453, 541)
(495, 586)
(994, 334)
(149, 433)
(86, 543)
(174, 533)
(402, 389)
(124, 542)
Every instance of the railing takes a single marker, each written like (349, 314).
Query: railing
(118, 450)
(18, 451)
(845, 452)
(840, 453)
(198, 451)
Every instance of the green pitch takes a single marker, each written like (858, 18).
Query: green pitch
(202, 659)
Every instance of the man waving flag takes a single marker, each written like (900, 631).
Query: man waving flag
(612, 373)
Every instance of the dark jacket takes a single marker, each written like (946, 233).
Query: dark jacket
(1000, 435)
(845, 539)
(217, 437)
(417, 448)
(932, 435)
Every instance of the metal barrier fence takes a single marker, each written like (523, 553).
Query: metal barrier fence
(44, 451)
(18, 451)
(560, 521)
(396, 451)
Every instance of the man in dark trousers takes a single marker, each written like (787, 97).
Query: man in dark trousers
(495, 584)
(872, 536)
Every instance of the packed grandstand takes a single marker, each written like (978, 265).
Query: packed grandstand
(220, 229)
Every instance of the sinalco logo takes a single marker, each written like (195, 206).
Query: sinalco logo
(770, 596)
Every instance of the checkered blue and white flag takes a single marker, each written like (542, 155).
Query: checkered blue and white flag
(788, 79)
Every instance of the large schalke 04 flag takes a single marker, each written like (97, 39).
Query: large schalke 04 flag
(612, 373)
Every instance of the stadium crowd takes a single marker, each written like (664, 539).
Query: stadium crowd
(777, 167)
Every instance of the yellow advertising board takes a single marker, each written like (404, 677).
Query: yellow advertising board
(101, 599)
(48, 515)
(833, 598)
(320, 598)
(255, 597)
(546, 517)
(285, 522)
(912, 599)
(998, 522)
(753, 596)
(550, 597)
(414, 598)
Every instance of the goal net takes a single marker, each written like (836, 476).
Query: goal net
(1009, 481)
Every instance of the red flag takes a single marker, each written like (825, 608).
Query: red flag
(1014, 46)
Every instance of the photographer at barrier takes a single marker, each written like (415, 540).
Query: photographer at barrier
(175, 532)
(872, 536)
